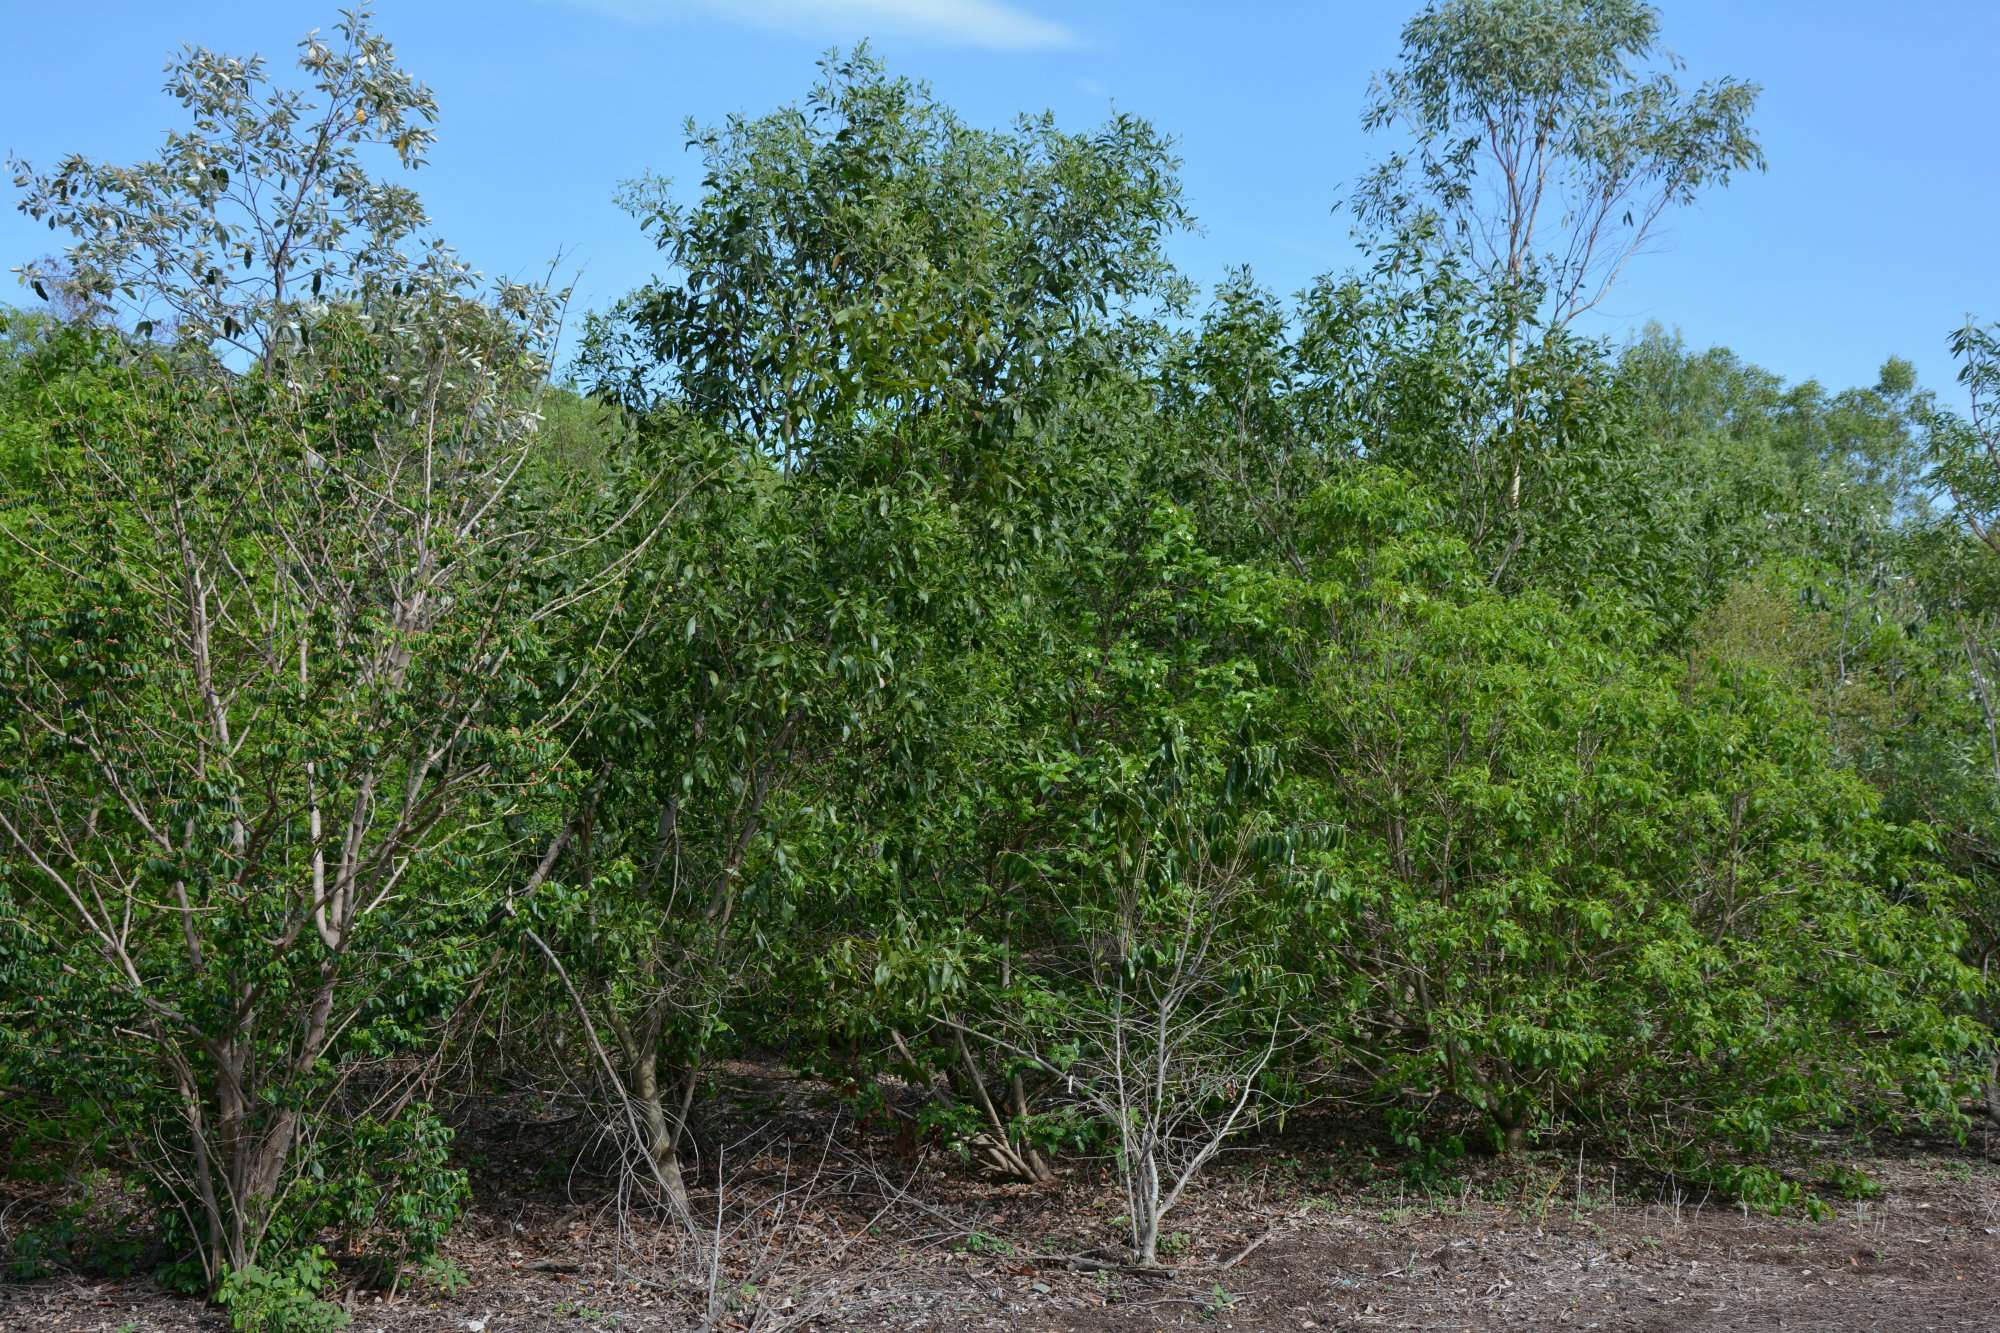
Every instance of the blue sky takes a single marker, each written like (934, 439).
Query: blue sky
(1873, 232)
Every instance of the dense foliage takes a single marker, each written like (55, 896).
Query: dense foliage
(924, 639)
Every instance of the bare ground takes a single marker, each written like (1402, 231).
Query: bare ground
(1309, 1232)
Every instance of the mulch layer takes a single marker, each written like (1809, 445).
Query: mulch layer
(1307, 1232)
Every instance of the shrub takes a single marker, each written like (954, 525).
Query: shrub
(1581, 885)
(282, 1299)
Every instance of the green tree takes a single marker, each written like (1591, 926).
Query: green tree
(1582, 882)
(1547, 138)
(271, 678)
(263, 206)
(888, 326)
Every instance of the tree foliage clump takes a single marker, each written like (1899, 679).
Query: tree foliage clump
(1593, 884)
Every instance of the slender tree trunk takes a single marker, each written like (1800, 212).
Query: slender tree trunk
(663, 1130)
(1146, 1213)
(1024, 1163)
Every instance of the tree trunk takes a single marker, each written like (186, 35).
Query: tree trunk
(663, 1130)
(1023, 1163)
(1510, 1127)
(1146, 1215)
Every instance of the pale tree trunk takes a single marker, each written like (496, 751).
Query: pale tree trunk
(1145, 1205)
(1023, 1163)
(663, 1126)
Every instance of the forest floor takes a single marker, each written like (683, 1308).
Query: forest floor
(1311, 1230)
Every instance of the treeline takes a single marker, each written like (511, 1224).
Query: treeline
(926, 637)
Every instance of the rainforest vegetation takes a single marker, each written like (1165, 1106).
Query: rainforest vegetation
(923, 639)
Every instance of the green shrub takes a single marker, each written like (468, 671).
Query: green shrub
(1582, 884)
(285, 1298)
(396, 1192)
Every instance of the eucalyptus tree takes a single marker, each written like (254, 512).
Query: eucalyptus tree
(1550, 137)
(1545, 142)
(273, 686)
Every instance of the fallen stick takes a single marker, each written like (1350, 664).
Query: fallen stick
(1251, 1248)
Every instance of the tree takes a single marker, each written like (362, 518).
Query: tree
(270, 721)
(1964, 451)
(1546, 143)
(263, 207)
(1964, 457)
(1535, 116)
(889, 326)
(1584, 882)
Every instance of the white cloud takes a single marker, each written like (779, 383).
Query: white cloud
(988, 23)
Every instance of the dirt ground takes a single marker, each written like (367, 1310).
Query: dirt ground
(1309, 1232)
